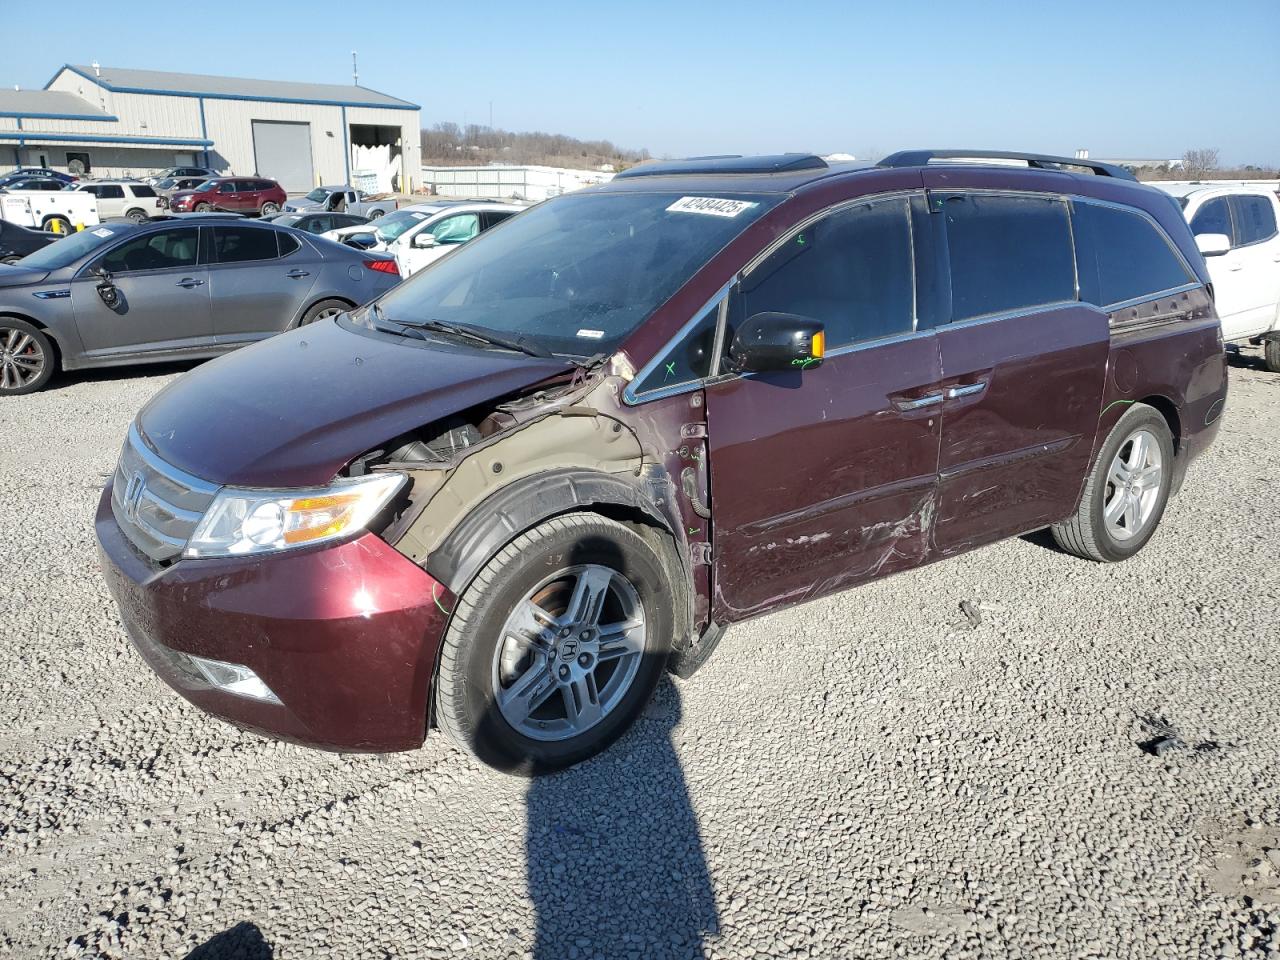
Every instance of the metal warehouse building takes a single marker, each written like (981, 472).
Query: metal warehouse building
(106, 121)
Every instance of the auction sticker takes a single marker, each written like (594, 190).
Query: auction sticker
(711, 206)
(102, 232)
(591, 334)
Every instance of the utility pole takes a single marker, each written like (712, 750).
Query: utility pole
(490, 114)
(355, 71)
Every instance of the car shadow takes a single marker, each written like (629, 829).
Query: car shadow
(615, 861)
(70, 378)
(244, 941)
(1249, 358)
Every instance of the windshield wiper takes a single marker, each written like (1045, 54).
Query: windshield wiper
(483, 335)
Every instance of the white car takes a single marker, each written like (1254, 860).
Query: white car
(124, 198)
(1236, 228)
(423, 232)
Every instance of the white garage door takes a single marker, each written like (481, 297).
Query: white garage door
(282, 151)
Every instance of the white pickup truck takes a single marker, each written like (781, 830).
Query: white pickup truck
(344, 199)
(63, 210)
(1237, 228)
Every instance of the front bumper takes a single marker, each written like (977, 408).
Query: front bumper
(345, 636)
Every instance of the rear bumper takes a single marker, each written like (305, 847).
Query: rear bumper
(346, 637)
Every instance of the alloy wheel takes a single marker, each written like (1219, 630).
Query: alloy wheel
(22, 359)
(1133, 485)
(569, 652)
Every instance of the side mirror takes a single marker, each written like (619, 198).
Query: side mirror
(1213, 244)
(362, 241)
(424, 241)
(102, 273)
(777, 341)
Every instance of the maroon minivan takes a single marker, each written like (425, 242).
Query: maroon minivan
(507, 495)
(247, 195)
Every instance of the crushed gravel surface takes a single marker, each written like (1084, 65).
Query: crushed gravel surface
(1013, 753)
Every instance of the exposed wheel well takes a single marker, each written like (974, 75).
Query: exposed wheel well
(1169, 411)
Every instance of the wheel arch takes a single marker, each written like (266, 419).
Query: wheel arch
(43, 327)
(313, 301)
(1169, 410)
(519, 506)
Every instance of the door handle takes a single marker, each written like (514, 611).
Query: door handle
(967, 390)
(188, 282)
(926, 401)
(297, 274)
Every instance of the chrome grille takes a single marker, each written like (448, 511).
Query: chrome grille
(156, 505)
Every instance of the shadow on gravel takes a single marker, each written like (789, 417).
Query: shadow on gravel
(70, 378)
(616, 867)
(244, 941)
(1250, 360)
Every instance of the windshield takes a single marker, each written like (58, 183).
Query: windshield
(166, 183)
(205, 186)
(286, 219)
(70, 249)
(578, 273)
(317, 194)
(393, 224)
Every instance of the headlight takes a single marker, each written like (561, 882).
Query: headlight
(241, 521)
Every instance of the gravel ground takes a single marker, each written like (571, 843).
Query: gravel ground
(881, 773)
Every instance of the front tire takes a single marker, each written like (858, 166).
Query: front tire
(1271, 354)
(1127, 490)
(557, 645)
(27, 357)
(203, 207)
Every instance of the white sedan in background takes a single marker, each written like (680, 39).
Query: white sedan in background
(1237, 228)
(418, 234)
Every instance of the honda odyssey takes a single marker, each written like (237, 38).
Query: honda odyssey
(508, 494)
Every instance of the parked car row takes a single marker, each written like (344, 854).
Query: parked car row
(179, 287)
(564, 459)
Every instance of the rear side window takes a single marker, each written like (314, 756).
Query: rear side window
(243, 244)
(1213, 217)
(852, 271)
(1255, 219)
(1132, 256)
(1007, 253)
(142, 190)
(109, 191)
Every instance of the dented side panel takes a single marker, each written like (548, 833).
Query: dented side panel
(822, 479)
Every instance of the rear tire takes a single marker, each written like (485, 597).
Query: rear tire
(1126, 492)
(64, 225)
(323, 311)
(375, 214)
(503, 693)
(27, 357)
(137, 216)
(1271, 354)
(269, 210)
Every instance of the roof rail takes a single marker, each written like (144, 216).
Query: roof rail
(918, 158)
(731, 163)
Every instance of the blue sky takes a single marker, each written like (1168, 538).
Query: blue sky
(1125, 79)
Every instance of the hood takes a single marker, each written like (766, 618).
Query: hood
(293, 410)
(16, 275)
(297, 206)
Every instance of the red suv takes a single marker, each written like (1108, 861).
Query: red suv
(249, 195)
(508, 494)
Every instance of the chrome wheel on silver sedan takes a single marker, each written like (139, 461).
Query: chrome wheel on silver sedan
(25, 357)
(569, 652)
(1133, 485)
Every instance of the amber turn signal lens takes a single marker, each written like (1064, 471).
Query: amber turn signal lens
(818, 344)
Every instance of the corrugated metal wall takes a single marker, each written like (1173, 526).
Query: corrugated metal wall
(228, 123)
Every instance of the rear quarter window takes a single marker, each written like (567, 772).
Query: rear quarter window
(142, 190)
(1124, 256)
